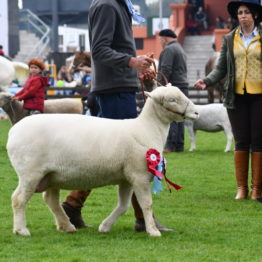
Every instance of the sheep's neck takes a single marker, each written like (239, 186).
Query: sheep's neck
(14, 110)
(159, 125)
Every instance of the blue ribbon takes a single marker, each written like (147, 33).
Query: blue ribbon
(137, 17)
(157, 182)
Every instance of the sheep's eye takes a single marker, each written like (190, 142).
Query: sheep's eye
(171, 100)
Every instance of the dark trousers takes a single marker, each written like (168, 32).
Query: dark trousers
(176, 138)
(117, 106)
(246, 122)
(120, 106)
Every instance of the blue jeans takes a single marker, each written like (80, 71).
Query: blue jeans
(117, 106)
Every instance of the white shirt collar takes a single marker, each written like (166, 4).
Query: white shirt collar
(252, 35)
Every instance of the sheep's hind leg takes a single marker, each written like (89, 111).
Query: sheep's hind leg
(51, 197)
(229, 135)
(144, 197)
(20, 197)
(124, 197)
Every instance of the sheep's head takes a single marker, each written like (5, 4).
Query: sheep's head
(4, 98)
(174, 103)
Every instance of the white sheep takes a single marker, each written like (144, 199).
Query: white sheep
(16, 112)
(10, 70)
(84, 152)
(212, 118)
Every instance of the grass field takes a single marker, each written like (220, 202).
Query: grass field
(209, 224)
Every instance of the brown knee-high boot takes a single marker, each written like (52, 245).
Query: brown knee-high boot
(73, 205)
(241, 169)
(256, 165)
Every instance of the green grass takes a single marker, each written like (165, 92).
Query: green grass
(209, 224)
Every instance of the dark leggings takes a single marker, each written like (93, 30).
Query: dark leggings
(246, 122)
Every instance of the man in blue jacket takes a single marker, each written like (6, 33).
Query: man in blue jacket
(114, 77)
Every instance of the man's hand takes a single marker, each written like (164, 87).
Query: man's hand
(148, 74)
(140, 63)
(200, 84)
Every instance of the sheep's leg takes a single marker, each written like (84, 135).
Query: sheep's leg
(194, 140)
(124, 197)
(229, 136)
(191, 134)
(51, 197)
(20, 197)
(144, 197)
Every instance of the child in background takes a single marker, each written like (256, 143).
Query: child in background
(33, 92)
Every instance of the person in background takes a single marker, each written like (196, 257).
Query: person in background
(201, 18)
(220, 23)
(114, 80)
(230, 23)
(64, 74)
(241, 63)
(2, 53)
(50, 80)
(192, 26)
(33, 92)
(195, 5)
(172, 64)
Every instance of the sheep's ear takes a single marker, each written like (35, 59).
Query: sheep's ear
(147, 94)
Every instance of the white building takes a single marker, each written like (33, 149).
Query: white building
(73, 39)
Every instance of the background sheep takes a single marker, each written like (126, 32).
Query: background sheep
(11, 71)
(83, 152)
(16, 112)
(212, 118)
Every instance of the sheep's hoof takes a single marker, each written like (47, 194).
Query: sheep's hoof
(22, 232)
(67, 228)
(155, 234)
(103, 229)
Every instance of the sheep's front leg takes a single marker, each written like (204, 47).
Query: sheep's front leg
(51, 197)
(124, 197)
(144, 197)
(19, 199)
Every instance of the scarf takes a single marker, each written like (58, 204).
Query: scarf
(137, 17)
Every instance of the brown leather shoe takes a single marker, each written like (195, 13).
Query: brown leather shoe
(140, 226)
(167, 150)
(74, 214)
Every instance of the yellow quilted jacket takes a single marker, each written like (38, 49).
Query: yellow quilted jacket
(248, 65)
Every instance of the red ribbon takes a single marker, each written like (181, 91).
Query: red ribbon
(153, 159)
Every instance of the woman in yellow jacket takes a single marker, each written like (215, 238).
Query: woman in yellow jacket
(241, 62)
